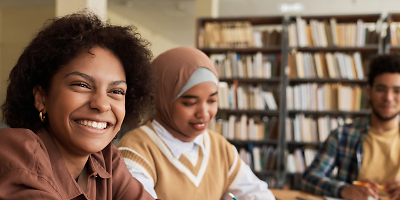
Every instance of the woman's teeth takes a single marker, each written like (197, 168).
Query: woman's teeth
(199, 125)
(93, 124)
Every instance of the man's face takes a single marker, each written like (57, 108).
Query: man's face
(384, 96)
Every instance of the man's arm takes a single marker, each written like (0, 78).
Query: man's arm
(316, 178)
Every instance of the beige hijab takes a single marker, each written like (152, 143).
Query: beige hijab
(174, 68)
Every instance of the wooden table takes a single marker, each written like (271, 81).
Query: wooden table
(293, 194)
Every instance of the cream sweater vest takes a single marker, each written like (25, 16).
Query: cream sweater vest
(216, 171)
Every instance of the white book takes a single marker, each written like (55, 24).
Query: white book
(314, 32)
(334, 33)
(290, 163)
(231, 127)
(243, 127)
(228, 67)
(296, 97)
(292, 35)
(270, 101)
(358, 64)
(360, 33)
(349, 66)
(322, 34)
(240, 98)
(296, 129)
(257, 160)
(301, 32)
(289, 98)
(249, 67)
(223, 101)
(252, 129)
(341, 64)
(257, 38)
(267, 69)
(225, 128)
(258, 64)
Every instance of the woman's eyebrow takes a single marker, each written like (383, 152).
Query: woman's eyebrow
(91, 79)
(85, 76)
(215, 93)
(189, 96)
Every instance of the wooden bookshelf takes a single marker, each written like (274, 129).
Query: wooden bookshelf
(369, 45)
(393, 23)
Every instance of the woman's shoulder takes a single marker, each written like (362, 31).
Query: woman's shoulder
(20, 148)
(13, 137)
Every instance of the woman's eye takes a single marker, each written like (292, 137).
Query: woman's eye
(120, 92)
(189, 104)
(84, 85)
(212, 101)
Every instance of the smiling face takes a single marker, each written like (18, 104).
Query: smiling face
(85, 106)
(384, 96)
(194, 109)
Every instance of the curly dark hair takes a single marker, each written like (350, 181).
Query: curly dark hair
(388, 63)
(60, 41)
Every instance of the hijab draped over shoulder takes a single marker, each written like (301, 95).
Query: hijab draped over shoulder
(174, 68)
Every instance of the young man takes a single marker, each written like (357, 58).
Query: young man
(368, 150)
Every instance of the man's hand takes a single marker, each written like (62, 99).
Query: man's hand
(357, 192)
(393, 189)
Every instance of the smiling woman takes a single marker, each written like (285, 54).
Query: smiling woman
(70, 92)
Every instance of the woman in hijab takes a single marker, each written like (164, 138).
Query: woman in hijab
(174, 155)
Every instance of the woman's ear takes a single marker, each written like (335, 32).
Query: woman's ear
(40, 98)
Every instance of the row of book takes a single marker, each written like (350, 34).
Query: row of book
(315, 33)
(246, 97)
(394, 33)
(297, 161)
(231, 34)
(260, 158)
(327, 96)
(308, 129)
(242, 127)
(234, 65)
(325, 65)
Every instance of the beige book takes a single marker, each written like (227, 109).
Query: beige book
(328, 96)
(334, 32)
(308, 33)
(300, 65)
(318, 65)
(314, 32)
(322, 34)
(330, 65)
(292, 65)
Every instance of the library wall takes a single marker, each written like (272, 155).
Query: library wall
(159, 43)
(17, 28)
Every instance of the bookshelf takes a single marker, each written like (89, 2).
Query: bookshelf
(392, 39)
(317, 73)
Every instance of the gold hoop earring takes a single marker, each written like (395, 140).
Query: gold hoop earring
(42, 116)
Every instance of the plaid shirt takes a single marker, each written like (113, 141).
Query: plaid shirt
(342, 149)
